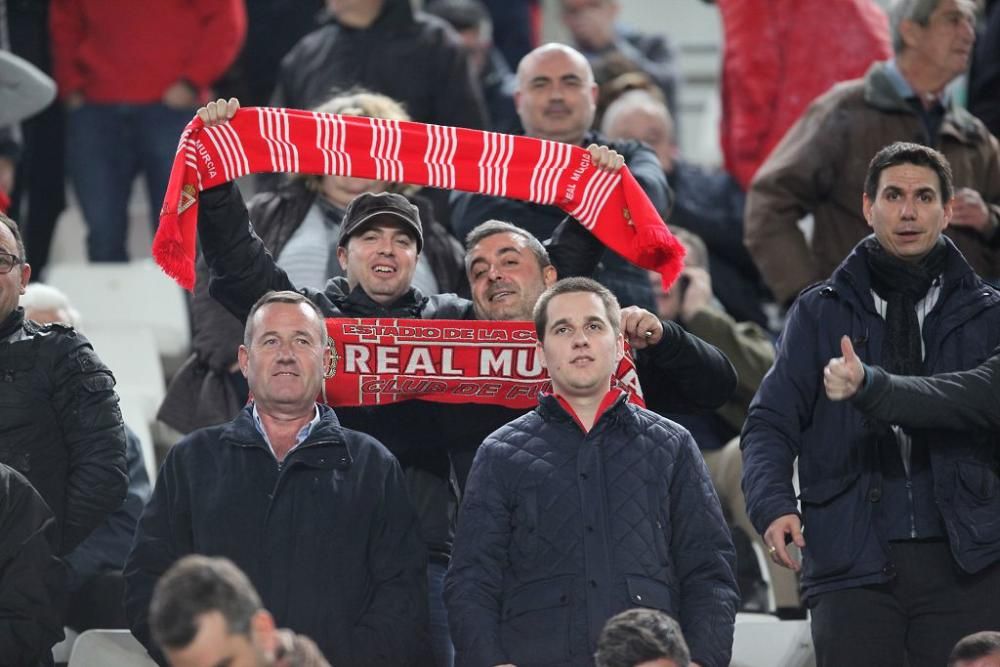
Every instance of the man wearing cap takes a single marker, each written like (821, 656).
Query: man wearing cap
(380, 240)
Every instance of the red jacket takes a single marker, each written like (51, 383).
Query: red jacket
(780, 55)
(131, 52)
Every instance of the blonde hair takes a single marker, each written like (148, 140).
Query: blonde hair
(363, 104)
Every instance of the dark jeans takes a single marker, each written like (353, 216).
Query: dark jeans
(444, 651)
(915, 619)
(107, 146)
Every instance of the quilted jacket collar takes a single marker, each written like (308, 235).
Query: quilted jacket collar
(553, 407)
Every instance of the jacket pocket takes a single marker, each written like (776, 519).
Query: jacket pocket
(977, 501)
(535, 622)
(836, 520)
(650, 593)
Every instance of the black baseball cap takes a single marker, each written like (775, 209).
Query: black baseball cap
(369, 205)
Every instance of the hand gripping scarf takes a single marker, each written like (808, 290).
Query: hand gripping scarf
(264, 140)
(380, 361)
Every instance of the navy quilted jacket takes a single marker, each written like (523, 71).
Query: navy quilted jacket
(561, 529)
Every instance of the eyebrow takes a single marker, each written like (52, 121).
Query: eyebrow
(503, 251)
(272, 332)
(566, 320)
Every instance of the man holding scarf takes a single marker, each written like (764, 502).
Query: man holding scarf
(242, 270)
(893, 557)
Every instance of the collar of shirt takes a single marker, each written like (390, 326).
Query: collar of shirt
(905, 90)
(299, 438)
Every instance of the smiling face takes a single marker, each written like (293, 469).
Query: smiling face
(907, 214)
(506, 277)
(285, 359)
(556, 95)
(580, 349)
(381, 257)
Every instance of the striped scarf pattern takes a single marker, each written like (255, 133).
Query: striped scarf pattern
(267, 140)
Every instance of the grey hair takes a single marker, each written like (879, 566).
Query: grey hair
(284, 296)
(918, 11)
(39, 296)
(493, 227)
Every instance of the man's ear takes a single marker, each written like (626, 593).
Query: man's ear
(342, 256)
(243, 357)
(263, 632)
(541, 354)
(910, 31)
(866, 208)
(550, 275)
(620, 347)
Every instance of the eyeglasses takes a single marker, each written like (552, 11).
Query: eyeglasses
(8, 262)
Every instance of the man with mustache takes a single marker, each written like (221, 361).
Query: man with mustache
(556, 100)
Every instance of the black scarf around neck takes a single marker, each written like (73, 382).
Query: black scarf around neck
(901, 285)
(11, 323)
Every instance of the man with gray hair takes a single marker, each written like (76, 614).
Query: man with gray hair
(819, 166)
(316, 514)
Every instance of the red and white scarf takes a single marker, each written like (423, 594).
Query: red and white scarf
(380, 361)
(264, 140)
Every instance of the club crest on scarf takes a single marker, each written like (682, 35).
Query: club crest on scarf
(377, 362)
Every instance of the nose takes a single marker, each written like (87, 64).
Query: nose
(493, 273)
(909, 210)
(384, 246)
(580, 338)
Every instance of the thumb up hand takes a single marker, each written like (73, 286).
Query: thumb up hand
(843, 375)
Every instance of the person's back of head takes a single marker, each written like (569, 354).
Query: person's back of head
(46, 304)
(642, 638)
(981, 649)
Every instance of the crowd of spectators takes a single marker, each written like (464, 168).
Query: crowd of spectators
(803, 423)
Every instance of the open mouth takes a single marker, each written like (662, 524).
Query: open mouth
(383, 269)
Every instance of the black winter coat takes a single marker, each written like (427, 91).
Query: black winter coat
(561, 529)
(60, 426)
(416, 59)
(328, 536)
(32, 580)
(961, 401)
(839, 467)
